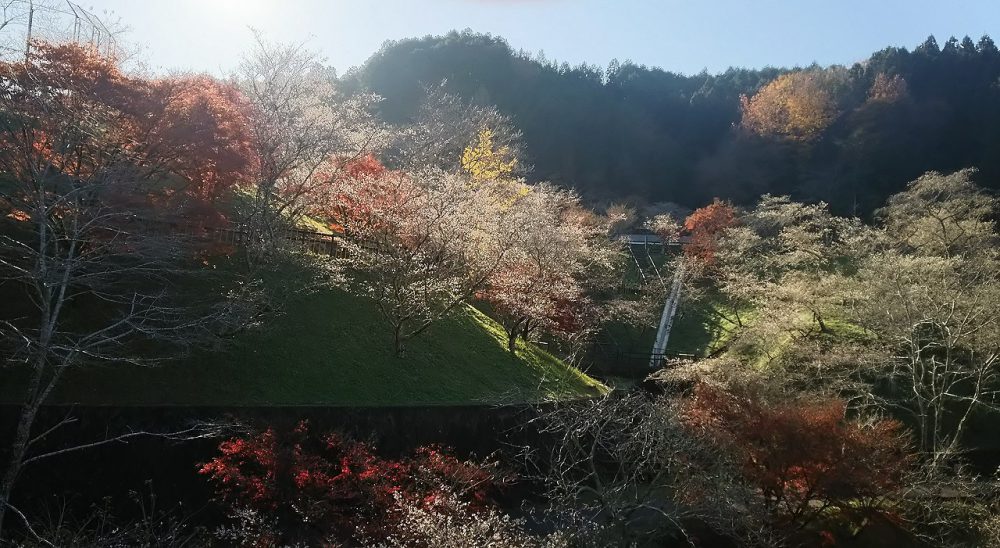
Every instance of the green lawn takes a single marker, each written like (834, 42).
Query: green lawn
(332, 348)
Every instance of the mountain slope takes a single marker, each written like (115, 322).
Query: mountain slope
(630, 132)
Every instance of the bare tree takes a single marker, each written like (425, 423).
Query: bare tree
(444, 126)
(23, 21)
(931, 288)
(950, 506)
(624, 464)
(304, 131)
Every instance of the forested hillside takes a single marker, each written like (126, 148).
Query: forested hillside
(848, 135)
(408, 306)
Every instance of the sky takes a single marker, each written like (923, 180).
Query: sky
(680, 36)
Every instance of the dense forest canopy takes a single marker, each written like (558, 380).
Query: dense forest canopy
(850, 136)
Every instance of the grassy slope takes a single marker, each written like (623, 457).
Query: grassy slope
(331, 348)
(700, 328)
(762, 356)
(697, 330)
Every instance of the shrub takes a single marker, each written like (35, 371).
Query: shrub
(332, 488)
(807, 460)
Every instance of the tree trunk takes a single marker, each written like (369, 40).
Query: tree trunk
(513, 329)
(33, 399)
(397, 340)
(17, 450)
(526, 330)
(822, 324)
(511, 341)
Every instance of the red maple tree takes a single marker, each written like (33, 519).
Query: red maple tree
(704, 226)
(333, 487)
(205, 125)
(804, 456)
(74, 114)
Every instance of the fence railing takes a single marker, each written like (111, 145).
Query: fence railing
(610, 358)
(307, 240)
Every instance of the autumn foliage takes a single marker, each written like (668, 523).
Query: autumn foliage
(528, 299)
(362, 196)
(205, 123)
(486, 161)
(797, 105)
(329, 487)
(705, 225)
(55, 101)
(542, 286)
(71, 113)
(803, 456)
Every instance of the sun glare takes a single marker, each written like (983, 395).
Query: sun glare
(241, 11)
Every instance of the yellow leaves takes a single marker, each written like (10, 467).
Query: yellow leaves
(484, 161)
(520, 190)
(798, 105)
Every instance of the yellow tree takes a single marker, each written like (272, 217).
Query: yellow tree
(485, 161)
(492, 164)
(797, 105)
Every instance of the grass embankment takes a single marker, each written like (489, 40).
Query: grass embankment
(332, 348)
(700, 329)
(704, 327)
(761, 353)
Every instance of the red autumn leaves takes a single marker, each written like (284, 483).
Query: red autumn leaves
(802, 456)
(76, 114)
(705, 225)
(337, 487)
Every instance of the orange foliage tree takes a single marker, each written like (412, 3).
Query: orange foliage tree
(705, 225)
(71, 112)
(68, 111)
(797, 105)
(205, 125)
(87, 154)
(340, 201)
(803, 456)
